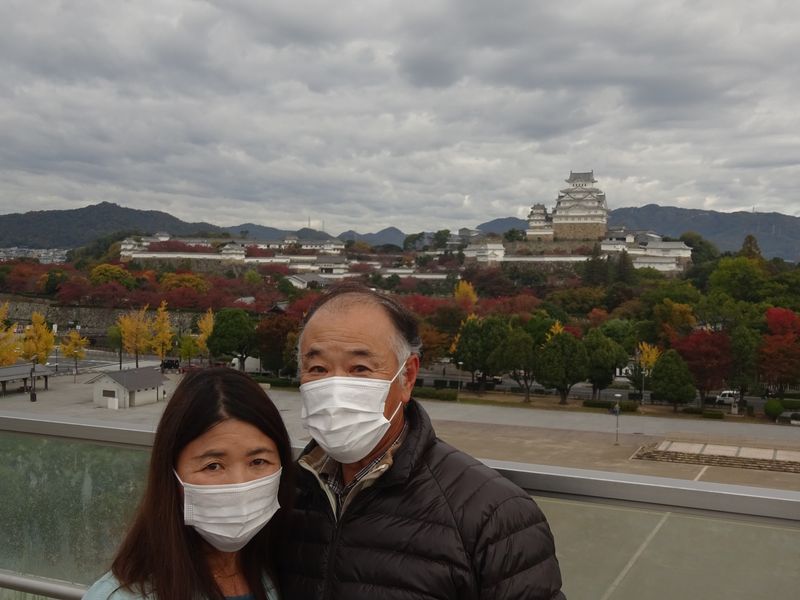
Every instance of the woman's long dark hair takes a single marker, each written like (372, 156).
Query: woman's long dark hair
(162, 556)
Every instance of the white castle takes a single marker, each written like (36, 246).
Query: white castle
(580, 213)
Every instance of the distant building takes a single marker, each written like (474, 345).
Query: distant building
(580, 213)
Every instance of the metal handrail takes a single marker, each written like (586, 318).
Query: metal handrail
(49, 588)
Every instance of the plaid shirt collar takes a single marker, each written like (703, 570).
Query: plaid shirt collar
(331, 471)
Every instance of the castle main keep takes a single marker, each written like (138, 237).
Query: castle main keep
(580, 213)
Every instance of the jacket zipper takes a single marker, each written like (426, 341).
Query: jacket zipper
(326, 585)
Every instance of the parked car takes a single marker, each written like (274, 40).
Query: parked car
(728, 397)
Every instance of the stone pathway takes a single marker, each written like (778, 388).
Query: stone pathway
(765, 459)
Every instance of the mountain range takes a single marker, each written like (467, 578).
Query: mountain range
(777, 234)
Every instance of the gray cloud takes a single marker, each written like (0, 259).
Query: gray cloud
(419, 114)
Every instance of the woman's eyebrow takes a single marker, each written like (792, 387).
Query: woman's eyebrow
(263, 450)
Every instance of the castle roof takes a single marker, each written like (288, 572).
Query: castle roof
(585, 177)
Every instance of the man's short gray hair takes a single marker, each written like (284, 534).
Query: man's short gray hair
(405, 341)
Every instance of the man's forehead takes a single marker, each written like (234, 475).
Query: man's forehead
(362, 324)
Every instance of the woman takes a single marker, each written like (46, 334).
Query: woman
(219, 486)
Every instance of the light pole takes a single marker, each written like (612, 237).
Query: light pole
(458, 389)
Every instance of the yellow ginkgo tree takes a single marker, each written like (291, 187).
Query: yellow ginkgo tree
(74, 346)
(205, 326)
(9, 347)
(162, 332)
(36, 344)
(136, 331)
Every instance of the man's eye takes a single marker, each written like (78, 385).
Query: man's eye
(360, 369)
(316, 369)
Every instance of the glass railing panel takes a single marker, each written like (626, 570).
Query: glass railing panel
(65, 504)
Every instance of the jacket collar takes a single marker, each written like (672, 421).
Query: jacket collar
(420, 437)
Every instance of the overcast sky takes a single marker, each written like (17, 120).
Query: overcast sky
(418, 114)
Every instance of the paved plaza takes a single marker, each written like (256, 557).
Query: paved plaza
(549, 437)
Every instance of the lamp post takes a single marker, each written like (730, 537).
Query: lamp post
(458, 389)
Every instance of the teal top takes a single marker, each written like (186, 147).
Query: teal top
(107, 588)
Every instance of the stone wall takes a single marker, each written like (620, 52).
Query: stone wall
(94, 321)
(579, 231)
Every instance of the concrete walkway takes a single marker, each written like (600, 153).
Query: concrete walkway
(550, 437)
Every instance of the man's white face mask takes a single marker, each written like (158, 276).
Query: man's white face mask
(344, 415)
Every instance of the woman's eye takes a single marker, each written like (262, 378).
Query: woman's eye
(316, 369)
(259, 462)
(212, 467)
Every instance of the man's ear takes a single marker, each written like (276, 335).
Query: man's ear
(410, 376)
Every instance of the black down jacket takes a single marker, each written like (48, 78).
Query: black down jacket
(437, 525)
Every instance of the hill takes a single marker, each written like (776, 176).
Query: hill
(777, 234)
(389, 235)
(502, 225)
(80, 226)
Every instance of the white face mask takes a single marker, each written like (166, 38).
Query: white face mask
(344, 415)
(228, 516)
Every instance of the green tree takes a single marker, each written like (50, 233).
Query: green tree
(516, 356)
(563, 363)
(741, 278)
(595, 270)
(114, 340)
(411, 240)
(187, 347)
(744, 358)
(233, 335)
(514, 235)
(440, 238)
(703, 251)
(604, 357)
(624, 271)
(671, 379)
(475, 342)
(750, 248)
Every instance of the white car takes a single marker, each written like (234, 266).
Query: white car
(728, 397)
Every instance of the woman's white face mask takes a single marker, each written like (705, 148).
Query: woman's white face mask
(345, 416)
(230, 515)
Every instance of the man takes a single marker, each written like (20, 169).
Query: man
(386, 510)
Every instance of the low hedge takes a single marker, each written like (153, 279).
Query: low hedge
(713, 414)
(624, 406)
(436, 394)
(692, 410)
(791, 395)
(790, 404)
(277, 381)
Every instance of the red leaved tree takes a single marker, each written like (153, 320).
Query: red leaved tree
(708, 356)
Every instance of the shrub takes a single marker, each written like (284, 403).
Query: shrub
(773, 408)
(713, 414)
(634, 396)
(624, 406)
(692, 410)
(790, 404)
(792, 395)
(436, 394)
(440, 383)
